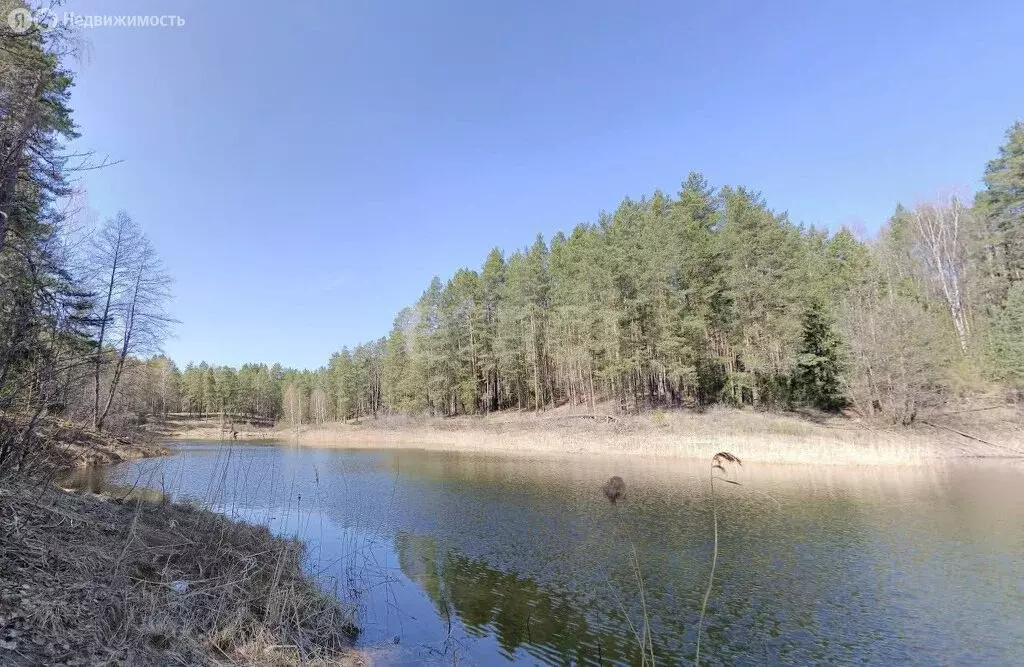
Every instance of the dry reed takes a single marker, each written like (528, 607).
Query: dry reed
(761, 437)
(615, 490)
(718, 463)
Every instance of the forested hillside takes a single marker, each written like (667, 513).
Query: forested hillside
(708, 296)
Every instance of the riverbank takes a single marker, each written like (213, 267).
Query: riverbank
(64, 446)
(126, 578)
(813, 439)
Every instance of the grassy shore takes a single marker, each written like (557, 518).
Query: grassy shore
(128, 579)
(756, 436)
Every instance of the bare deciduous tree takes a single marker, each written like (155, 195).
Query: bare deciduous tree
(318, 406)
(940, 230)
(292, 404)
(131, 304)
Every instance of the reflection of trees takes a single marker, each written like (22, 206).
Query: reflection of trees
(518, 612)
(789, 583)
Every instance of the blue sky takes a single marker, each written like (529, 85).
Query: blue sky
(305, 171)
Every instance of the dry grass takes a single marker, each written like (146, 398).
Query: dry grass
(756, 436)
(211, 429)
(85, 580)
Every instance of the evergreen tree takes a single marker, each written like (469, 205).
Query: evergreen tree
(816, 377)
(1007, 346)
(344, 383)
(492, 281)
(1002, 205)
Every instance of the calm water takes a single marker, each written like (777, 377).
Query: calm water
(484, 560)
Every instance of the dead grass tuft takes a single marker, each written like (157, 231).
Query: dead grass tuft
(86, 580)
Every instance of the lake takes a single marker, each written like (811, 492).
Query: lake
(476, 559)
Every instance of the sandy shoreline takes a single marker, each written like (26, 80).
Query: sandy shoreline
(753, 436)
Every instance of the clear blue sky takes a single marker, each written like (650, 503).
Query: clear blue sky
(304, 172)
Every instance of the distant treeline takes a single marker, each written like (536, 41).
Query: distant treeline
(706, 297)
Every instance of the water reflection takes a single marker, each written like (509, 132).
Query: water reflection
(521, 561)
(94, 479)
(517, 610)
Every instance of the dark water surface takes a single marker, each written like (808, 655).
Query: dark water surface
(473, 559)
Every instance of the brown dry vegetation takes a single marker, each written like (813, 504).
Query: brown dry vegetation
(179, 427)
(85, 580)
(810, 438)
(57, 445)
(117, 579)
